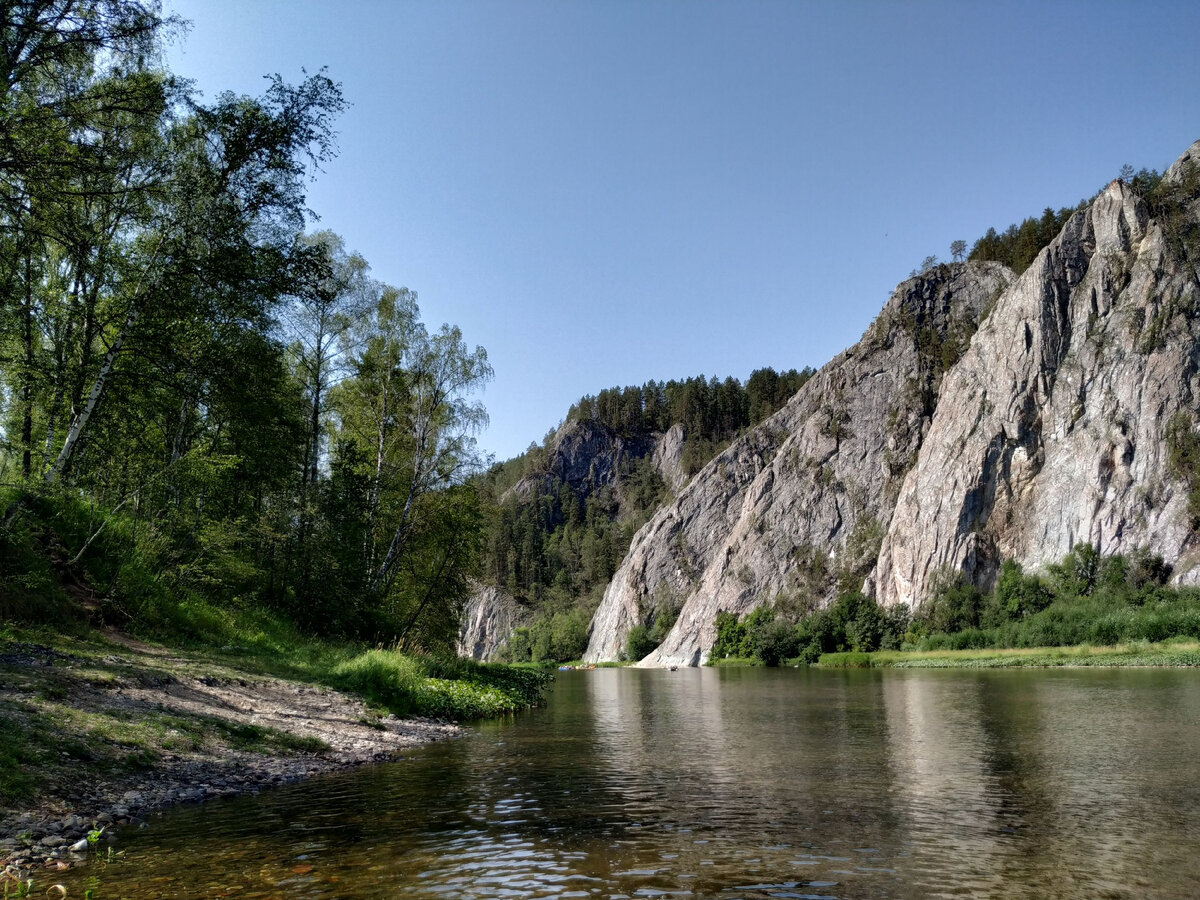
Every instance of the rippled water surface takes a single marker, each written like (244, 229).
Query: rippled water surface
(735, 783)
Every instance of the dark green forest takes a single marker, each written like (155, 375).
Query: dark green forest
(201, 402)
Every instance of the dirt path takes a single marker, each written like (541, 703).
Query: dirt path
(106, 735)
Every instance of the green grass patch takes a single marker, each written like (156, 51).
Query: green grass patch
(1176, 652)
(384, 677)
(847, 660)
(429, 686)
(734, 662)
(18, 754)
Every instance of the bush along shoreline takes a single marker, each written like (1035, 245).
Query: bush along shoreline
(1087, 609)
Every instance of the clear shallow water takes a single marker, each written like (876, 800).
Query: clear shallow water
(735, 783)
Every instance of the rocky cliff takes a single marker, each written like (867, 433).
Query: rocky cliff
(1052, 429)
(489, 618)
(803, 498)
(934, 443)
(586, 455)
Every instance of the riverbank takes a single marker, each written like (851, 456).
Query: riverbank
(1167, 653)
(101, 731)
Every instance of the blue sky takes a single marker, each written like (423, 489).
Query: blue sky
(601, 193)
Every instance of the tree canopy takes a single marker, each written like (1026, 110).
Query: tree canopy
(238, 402)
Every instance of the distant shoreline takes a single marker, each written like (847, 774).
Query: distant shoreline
(1174, 654)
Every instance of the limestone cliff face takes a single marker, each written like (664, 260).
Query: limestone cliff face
(1052, 428)
(488, 621)
(586, 455)
(667, 457)
(807, 494)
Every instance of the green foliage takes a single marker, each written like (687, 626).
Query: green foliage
(709, 409)
(171, 343)
(853, 623)
(1019, 595)
(557, 635)
(385, 677)
(1078, 572)
(847, 660)
(1018, 245)
(638, 644)
(953, 604)
(436, 686)
(776, 643)
(1183, 460)
(1088, 599)
(741, 638)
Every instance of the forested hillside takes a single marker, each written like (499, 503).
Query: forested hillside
(565, 511)
(200, 402)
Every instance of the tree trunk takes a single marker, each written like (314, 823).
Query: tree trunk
(27, 373)
(79, 423)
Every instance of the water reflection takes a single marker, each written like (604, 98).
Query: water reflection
(736, 784)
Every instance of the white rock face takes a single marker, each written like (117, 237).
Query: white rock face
(488, 621)
(1052, 428)
(810, 490)
(667, 458)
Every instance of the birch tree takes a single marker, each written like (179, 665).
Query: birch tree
(410, 408)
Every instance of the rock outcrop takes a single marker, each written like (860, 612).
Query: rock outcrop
(1052, 429)
(667, 457)
(936, 444)
(806, 495)
(588, 456)
(489, 619)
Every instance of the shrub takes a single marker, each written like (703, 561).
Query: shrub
(953, 603)
(638, 644)
(1018, 595)
(777, 642)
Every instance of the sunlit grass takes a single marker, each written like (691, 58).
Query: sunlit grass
(1174, 652)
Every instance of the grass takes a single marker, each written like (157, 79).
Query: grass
(735, 662)
(63, 717)
(1176, 652)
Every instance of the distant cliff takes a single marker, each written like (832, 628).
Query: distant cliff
(981, 417)
(805, 497)
(585, 462)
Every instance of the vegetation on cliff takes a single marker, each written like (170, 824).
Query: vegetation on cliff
(554, 545)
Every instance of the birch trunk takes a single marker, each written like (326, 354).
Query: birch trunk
(79, 423)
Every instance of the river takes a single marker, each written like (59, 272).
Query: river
(734, 783)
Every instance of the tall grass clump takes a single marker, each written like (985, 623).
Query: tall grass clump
(384, 677)
(456, 689)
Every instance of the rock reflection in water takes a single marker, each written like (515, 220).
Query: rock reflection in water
(734, 784)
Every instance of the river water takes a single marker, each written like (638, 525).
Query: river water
(734, 783)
